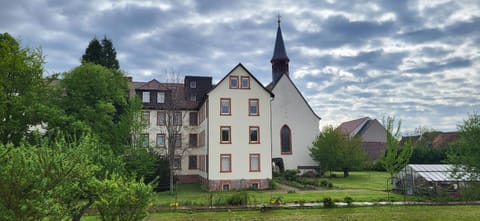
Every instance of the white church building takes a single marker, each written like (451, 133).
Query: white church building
(234, 133)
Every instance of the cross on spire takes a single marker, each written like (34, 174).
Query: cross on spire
(278, 17)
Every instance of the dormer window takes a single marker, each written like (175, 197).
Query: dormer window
(146, 97)
(160, 97)
(233, 82)
(245, 80)
(193, 84)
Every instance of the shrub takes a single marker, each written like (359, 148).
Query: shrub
(328, 202)
(123, 199)
(330, 185)
(324, 183)
(237, 199)
(291, 175)
(272, 184)
(348, 200)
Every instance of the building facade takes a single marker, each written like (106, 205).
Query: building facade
(228, 135)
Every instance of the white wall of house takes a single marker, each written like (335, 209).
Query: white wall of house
(289, 108)
(239, 121)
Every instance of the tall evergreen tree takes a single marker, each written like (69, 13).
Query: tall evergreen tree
(109, 54)
(101, 53)
(93, 53)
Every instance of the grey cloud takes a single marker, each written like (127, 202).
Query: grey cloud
(429, 67)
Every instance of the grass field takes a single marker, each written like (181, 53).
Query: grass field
(400, 213)
(371, 180)
(361, 186)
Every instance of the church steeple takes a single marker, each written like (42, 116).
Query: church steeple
(280, 59)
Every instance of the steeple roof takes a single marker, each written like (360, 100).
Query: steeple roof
(279, 52)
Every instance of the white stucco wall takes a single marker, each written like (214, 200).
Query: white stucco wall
(239, 121)
(289, 108)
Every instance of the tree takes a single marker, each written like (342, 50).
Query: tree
(21, 89)
(109, 54)
(172, 122)
(98, 97)
(38, 181)
(396, 156)
(122, 198)
(465, 153)
(332, 150)
(101, 53)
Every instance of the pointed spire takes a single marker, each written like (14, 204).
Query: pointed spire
(279, 51)
(279, 59)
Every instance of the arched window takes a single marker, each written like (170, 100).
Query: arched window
(286, 140)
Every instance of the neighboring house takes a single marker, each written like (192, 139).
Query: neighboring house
(372, 132)
(232, 131)
(294, 124)
(433, 139)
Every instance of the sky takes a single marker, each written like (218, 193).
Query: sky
(416, 60)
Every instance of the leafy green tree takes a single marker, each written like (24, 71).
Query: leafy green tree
(332, 150)
(465, 153)
(396, 156)
(102, 53)
(37, 181)
(121, 198)
(21, 89)
(98, 97)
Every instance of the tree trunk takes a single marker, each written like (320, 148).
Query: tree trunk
(171, 178)
(345, 172)
(80, 213)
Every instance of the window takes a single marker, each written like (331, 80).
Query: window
(254, 134)
(225, 107)
(178, 140)
(245, 80)
(201, 139)
(192, 141)
(193, 98)
(254, 186)
(161, 140)
(146, 118)
(161, 118)
(146, 97)
(160, 97)
(144, 140)
(226, 187)
(225, 132)
(193, 118)
(225, 163)
(193, 84)
(177, 162)
(253, 109)
(177, 118)
(286, 140)
(233, 82)
(192, 162)
(255, 162)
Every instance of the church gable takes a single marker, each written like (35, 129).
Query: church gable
(285, 89)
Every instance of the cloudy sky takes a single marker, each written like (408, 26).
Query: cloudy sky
(418, 60)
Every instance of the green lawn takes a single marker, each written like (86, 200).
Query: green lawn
(361, 186)
(400, 213)
(371, 180)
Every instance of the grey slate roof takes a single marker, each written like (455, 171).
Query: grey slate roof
(279, 51)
